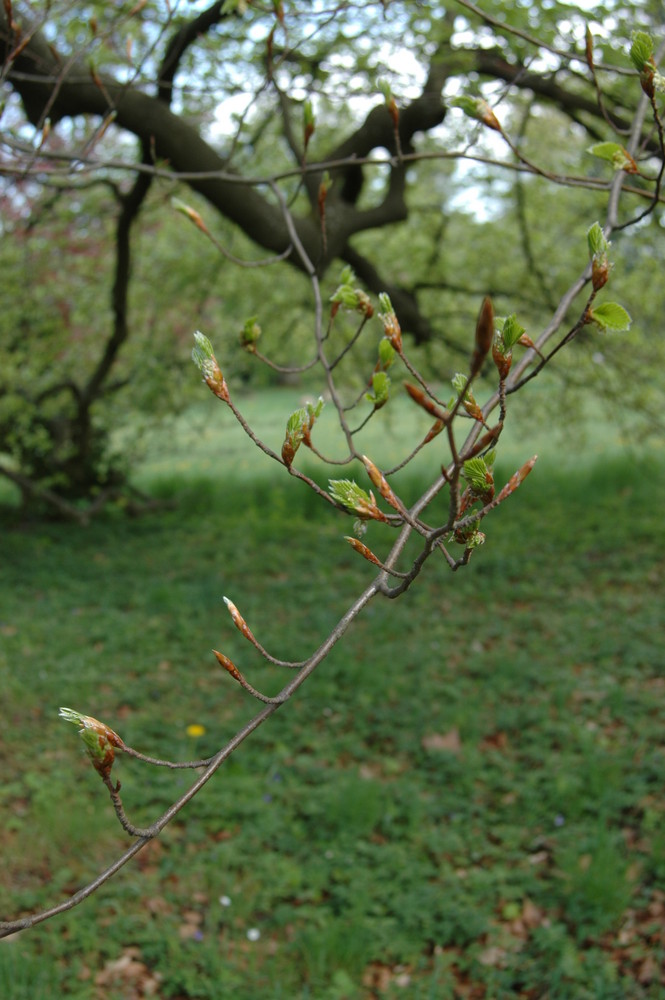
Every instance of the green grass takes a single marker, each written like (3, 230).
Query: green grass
(465, 799)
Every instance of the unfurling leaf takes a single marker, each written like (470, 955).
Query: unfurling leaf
(508, 333)
(250, 333)
(356, 500)
(386, 354)
(641, 50)
(461, 385)
(476, 107)
(478, 474)
(641, 56)
(299, 428)
(596, 240)
(205, 360)
(610, 316)
(191, 213)
(309, 125)
(615, 154)
(380, 390)
(347, 295)
(100, 740)
(511, 331)
(391, 327)
(598, 252)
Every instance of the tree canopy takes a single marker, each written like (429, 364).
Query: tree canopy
(438, 149)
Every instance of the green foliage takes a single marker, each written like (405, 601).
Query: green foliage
(468, 812)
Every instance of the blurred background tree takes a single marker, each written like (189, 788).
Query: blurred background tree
(111, 111)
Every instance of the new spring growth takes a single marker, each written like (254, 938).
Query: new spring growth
(299, 430)
(309, 124)
(423, 400)
(205, 360)
(324, 186)
(480, 477)
(381, 484)
(239, 621)
(380, 390)
(609, 316)
(615, 154)
(516, 479)
(391, 327)
(484, 336)
(461, 385)
(348, 296)
(598, 250)
(508, 333)
(362, 549)
(351, 496)
(589, 48)
(386, 355)
(228, 665)
(191, 214)
(99, 740)
(641, 56)
(476, 107)
(249, 334)
(391, 103)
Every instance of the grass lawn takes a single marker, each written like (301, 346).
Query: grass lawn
(466, 800)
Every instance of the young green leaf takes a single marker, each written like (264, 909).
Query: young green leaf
(511, 331)
(610, 316)
(478, 108)
(203, 355)
(476, 472)
(386, 353)
(355, 499)
(596, 240)
(615, 154)
(380, 390)
(641, 50)
(250, 333)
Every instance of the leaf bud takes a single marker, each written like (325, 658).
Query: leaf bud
(205, 360)
(99, 739)
(484, 335)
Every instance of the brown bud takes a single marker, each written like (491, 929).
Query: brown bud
(228, 665)
(600, 272)
(589, 48)
(484, 335)
(362, 549)
(517, 479)
(381, 483)
(239, 621)
(502, 359)
(485, 441)
(420, 397)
